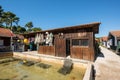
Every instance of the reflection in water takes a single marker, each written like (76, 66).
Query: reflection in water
(47, 71)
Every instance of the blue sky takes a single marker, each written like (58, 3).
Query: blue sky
(49, 14)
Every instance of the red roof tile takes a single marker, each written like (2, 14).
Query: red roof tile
(105, 38)
(115, 33)
(6, 32)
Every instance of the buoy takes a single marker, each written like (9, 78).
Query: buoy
(18, 40)
(26, 41)
(24, 61)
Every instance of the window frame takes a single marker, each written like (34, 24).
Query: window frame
(80, 45)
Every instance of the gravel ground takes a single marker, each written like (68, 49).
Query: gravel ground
(107, 66)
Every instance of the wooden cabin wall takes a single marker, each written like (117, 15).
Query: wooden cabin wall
(80, 52)
(84, 52)
(6, 41)
(60, 45)
(47, 50)
(5, 47)
(92, 47)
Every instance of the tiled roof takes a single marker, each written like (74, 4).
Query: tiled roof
(105, 38)
(6, 33)
(115, 33)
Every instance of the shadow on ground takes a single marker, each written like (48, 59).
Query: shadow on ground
(100, 55)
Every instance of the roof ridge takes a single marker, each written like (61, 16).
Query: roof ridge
(114, 30)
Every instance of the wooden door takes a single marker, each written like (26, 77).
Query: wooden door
(67, 47)
(60, 47)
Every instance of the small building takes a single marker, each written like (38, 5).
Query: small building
(114, 39)
(5, 39)
(74, 41)
(18, 42)
(104, 41)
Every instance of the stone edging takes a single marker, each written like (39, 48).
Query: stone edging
(89, 72)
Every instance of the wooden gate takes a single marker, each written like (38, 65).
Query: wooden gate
(60, 47)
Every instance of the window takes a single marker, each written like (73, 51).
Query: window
(1, 42)
(80, 42)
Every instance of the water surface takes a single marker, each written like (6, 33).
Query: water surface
(14, 70)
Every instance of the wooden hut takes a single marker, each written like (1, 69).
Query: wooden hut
(74, 41)
(5, 39)
(104, 41)
(114, 39)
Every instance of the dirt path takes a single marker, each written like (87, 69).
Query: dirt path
(107, 66)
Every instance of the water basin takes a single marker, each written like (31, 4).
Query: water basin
(14, 70)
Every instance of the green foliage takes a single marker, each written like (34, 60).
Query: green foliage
(10, 20)
(22, 30)
(14, 29)
(36, 29)
(29, 26)
(18, 29)
(1, 11)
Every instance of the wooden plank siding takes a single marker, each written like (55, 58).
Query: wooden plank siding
(92, 47)
(63, 41)
(77, 34)
(86, 53)
(48, 50)
(77, 52)
(81, 52)
(60, 47)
